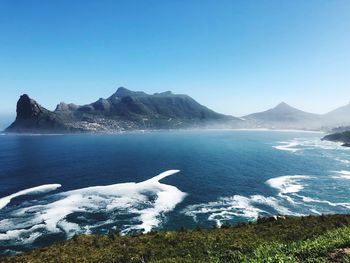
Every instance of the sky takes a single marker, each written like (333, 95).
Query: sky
(236, 57)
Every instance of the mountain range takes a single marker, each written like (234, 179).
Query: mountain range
(284, 116)
(123, 110)
(136, 110)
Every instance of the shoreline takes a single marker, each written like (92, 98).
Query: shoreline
(161, 130)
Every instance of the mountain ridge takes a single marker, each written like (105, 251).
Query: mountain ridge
(136, 110)
(123, 110)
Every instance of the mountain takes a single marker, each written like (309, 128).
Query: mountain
(32, 117)
(339, 116)
(124, 110)
(283, 116)
(137, 110)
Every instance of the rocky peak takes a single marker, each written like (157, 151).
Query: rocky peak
(123, 92)
(27, 107)
(165, 93)
(61, 107)
(102, 105)
(283, 105)
(66, 107)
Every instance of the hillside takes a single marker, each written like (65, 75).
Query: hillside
(291, 239)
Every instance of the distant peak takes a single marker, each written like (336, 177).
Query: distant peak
(61, 106)
(165, 93)
(283, 106)
(65, 107)
(124, 92)
(122, 89)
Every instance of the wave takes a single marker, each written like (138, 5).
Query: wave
(342, 160)
(287, 184)
(229, 208)
(287, 146)
(287, 201)
(299, 144)
(30, 191)
(128, 206)
(343, 174)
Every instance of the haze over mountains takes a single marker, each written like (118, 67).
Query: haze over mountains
(284, 116)
(135, 110)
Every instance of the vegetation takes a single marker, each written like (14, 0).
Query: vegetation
(324, 238)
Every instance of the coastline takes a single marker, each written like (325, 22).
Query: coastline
(286, 239)
(162, 130)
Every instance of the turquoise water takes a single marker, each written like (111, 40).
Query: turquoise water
(55, 186)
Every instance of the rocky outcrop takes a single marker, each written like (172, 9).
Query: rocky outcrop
(66, 107)
(28, 108)
(343, 137)
(32, 117)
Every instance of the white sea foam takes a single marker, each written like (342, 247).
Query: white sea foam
(288, 183)
(30, 191)
(287, 201)
(343, 174)
(307, 199)
(342, 160)
(227, 208)
(223, 209)
(287, 146)
(147, 201)
(299, 144)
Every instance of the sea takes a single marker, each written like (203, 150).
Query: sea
(53, 187)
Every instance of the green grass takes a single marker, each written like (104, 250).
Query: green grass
(293, 239)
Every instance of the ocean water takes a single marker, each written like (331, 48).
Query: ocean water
(55, 186)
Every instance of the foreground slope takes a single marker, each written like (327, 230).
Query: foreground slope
(124, 110)
(291, 239)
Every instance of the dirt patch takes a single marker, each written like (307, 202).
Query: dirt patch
(340, 255)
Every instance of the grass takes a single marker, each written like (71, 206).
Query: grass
(291, 239)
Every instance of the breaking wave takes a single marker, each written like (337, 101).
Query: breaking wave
(237, 206)
(287, 201)
(343, 174)
(287, 146)
(126, 206)
(287, 184)
(299, 144)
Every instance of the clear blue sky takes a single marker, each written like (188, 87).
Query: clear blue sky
(235, 57)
